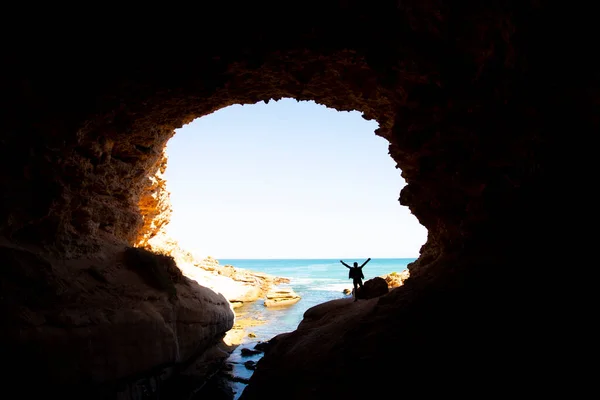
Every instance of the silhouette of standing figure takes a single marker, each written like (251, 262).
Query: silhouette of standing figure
(356, 275)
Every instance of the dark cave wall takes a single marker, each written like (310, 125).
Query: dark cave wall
(457, 90)
(481, 103)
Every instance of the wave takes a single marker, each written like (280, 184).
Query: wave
(319, 266)
(310, 281)
(331, 287)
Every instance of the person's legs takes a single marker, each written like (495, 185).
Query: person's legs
(357, 283)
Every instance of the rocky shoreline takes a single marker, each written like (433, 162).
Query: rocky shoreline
(239, 287)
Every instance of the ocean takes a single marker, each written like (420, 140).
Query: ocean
(314, 280)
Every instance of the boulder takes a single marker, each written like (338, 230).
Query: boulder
(396, 279)
(281, 297)
(372, 288)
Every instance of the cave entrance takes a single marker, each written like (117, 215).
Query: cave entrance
(287, 179)
(287, 188)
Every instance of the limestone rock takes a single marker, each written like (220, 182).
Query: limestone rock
(281, 297)
(238, 285)
(103, 330)
(396, 279)
(155, 203)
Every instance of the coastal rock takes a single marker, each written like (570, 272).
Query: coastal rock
(281, 297)
(133, 326)
(238, 285)
(372, 288)
(246, 352)
(396, 279)
(262, 346)
(393, 281)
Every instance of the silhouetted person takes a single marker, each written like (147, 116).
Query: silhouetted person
(356, 275)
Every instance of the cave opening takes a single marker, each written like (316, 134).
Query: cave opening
(285, 188)
(286, 179)
(475, 100)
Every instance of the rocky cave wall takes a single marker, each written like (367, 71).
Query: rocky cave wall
(470, 97)
(155, 204)
(458, 92)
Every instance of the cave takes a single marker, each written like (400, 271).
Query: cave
(472, 98)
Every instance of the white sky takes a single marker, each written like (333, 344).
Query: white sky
(287, 179)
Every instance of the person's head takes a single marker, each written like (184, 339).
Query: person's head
(355, 264)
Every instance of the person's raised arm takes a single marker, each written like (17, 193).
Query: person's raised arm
(346, 265)
(363, 264)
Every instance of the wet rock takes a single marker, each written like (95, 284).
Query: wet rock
(246, 352)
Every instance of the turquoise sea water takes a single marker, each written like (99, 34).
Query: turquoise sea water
(315, 280)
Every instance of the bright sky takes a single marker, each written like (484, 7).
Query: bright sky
(287, 179)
